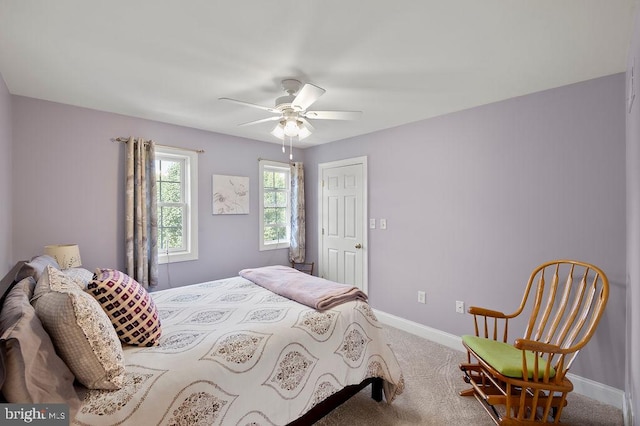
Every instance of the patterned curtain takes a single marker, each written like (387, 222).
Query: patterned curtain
(141, 217)
(297, 242)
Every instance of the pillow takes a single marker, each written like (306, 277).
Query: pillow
(35, 267)
(81, 276)
(130, 307)
(34, 373)
(80, 331)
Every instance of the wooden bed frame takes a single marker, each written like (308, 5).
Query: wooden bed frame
(316, 413)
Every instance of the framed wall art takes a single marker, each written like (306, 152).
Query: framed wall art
(230, 194)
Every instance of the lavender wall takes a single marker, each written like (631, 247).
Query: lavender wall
(68, 182)
(5, 178)
(476, 199)
(633, 230)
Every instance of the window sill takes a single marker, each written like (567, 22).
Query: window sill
(176, 257)
(274, 247)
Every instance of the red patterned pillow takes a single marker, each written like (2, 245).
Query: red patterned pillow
(131, 309)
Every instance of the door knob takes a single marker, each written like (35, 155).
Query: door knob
(358, 246)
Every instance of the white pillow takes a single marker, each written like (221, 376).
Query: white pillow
(80, 275)
(35, 267)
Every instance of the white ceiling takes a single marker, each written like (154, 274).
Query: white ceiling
(398, 61)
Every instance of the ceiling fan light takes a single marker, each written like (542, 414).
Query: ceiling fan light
(303, 133)
(291, 128)
(278, 131)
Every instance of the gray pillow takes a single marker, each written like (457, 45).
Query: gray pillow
(33, 372)
(80, 331)
(35, 267)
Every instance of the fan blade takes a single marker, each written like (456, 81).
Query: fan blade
(249, 104)
(333, 115)
(264, 120)
(306, 96)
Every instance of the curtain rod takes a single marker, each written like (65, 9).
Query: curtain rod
(277, 161)
(199, 151)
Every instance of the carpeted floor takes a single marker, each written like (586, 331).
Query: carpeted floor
(432, 382)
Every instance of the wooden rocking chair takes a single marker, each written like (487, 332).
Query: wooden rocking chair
(526, 382)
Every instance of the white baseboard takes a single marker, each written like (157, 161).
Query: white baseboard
(598, 391)
(447, 339)
(587, 387)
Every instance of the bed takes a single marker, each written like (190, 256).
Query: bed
(232, 352)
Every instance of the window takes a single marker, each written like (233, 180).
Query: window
(275, 210)
(177, 186)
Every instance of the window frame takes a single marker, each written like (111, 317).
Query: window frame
(266, 165)
(189, 192)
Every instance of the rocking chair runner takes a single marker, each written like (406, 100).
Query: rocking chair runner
(526, 382)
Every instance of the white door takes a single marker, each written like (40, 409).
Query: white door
(343, 234)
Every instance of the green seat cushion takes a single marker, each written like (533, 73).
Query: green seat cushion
(505, 358)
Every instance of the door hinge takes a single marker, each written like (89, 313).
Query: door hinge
(322, 231)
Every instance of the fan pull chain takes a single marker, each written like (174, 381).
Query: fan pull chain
(283, 146)
(290, 147)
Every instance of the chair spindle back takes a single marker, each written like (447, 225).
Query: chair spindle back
(565, 311)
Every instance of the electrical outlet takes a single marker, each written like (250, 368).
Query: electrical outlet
(460, 306)
(422, 297)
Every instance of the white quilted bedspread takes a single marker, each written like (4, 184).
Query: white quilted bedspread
(234, 353)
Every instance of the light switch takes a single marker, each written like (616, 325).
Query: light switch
(383, 223)
(372, 224)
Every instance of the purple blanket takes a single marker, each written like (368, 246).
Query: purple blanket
(312, 291)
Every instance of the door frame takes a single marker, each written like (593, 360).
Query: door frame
(365, 214)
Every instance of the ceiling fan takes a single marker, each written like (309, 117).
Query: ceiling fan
(292, 112)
